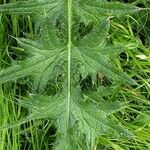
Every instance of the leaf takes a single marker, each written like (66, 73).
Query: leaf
(42, 63)
(99, 32)
(92, 122)
(93, 10)
(57, 52)
(39, 9)
(92, 62)
(43, 106)
(27, 7)
(110, 50)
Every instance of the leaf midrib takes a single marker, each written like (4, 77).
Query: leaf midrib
(69, 7)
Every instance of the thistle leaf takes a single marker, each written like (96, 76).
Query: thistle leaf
(57, 52)
(92, 122)
(93, 10)
(99, 32)
(27, 7)
(41, 65)
(93, 61)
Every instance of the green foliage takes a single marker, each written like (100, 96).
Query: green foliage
(61, 50)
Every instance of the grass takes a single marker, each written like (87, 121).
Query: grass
(40, 134)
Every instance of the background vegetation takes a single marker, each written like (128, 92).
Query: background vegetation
(133, 32)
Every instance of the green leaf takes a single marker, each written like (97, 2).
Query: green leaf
(99, 32)
(110, 50)
(93, 62)
(42, 63)
(93, 10)
(27, 7)
(92, 122)
(43, 106)
(50, 56)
